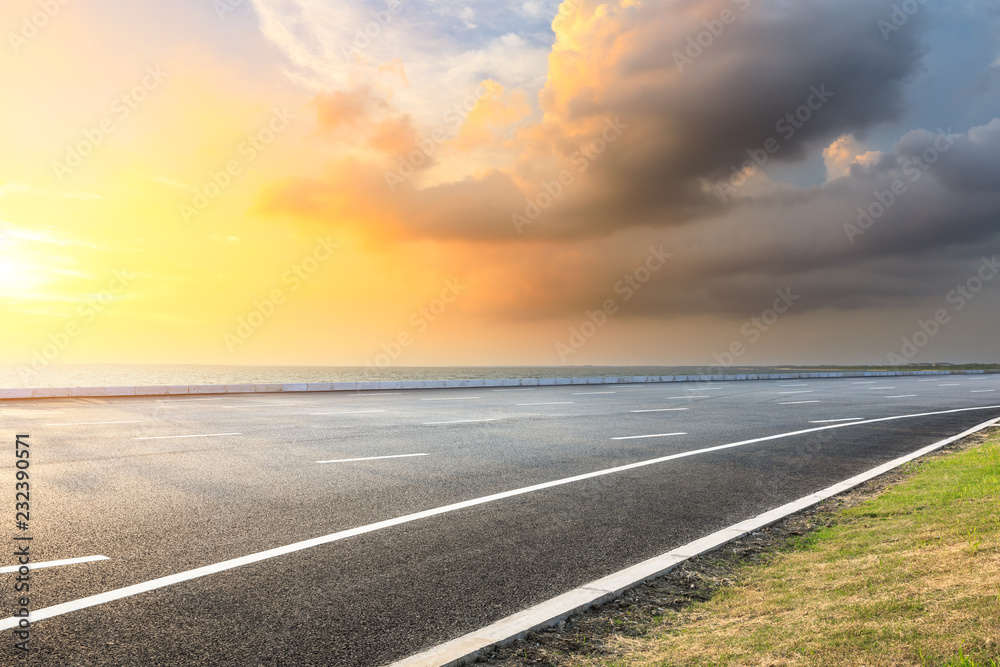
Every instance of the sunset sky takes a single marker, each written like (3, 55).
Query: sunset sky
(461, 183)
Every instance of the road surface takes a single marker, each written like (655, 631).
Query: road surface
(414, 548)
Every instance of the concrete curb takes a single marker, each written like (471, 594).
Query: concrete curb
(81, 392)
(466, 649)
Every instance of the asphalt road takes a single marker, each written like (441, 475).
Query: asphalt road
(164, 485)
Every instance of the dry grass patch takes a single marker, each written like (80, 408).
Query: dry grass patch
(910, 578)
(902, 571)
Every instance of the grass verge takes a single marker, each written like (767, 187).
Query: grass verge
(908, 575)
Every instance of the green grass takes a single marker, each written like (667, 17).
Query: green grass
(909, 578)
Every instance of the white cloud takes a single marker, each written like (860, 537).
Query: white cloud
(845, 152)
(338, 45)
(468, 15)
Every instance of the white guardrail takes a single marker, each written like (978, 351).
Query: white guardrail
(50, 392)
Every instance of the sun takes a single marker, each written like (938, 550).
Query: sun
(19, 278)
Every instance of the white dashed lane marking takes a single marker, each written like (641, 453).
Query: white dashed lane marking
(373, 458)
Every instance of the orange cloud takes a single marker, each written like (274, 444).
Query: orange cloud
(340, 108)
(491, 117)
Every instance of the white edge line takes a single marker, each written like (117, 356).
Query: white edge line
(655, 435)
(550, 403)
(188, 575)
(661, 410)
(466, 649)
(134, 421)
(833, 421)
(903, 396)
(199, 435)
(798, 402)
(981, 391)
(261, 405)
(460, 421)
(373, 458)
(53, 563)
(453, 398)
(349, 412)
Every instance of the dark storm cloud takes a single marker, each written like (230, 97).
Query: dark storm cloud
(780, 81)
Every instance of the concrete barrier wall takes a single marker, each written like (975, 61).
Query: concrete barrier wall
(68, 392)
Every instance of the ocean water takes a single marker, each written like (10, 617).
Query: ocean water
(127, 375)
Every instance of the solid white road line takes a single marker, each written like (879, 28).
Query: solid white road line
(373, 458)
(902, 396)
(833, 421)
(591, 393)
(169, 580)
(347, 412)
(465, 649)
(96, 423)
(798, 402)
(981, 391)
(655, 435)
(377, 394)
(185, 400)
(520, 389)
(661, 410)
(881, 387)
(53, 563)
(460, 421)
(685, 397)
(805, 391)
(262, 405)
(167, 437)
(950, 384)
(552, 403)
(452, 398)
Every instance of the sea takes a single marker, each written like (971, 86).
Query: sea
(127, 375)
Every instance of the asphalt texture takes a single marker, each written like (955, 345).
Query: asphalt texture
(156, 505)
